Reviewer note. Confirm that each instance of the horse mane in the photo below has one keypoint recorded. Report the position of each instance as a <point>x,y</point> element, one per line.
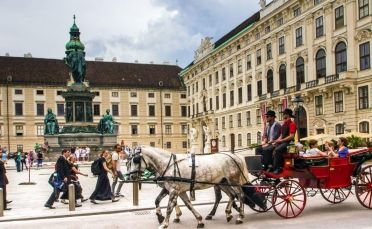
<point>161,151</point>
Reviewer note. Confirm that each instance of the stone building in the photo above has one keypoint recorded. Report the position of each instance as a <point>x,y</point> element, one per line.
<point>316,49</point>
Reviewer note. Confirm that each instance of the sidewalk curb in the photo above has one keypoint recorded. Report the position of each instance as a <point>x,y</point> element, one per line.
<point>96,213</point>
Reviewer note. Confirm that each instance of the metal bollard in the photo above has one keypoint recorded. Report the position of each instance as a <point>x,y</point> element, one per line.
<point>71,197</point>
<point>135,193</point>
<point>1,202</point>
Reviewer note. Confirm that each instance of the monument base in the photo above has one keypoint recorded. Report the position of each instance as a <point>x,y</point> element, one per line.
<point>80,140</point>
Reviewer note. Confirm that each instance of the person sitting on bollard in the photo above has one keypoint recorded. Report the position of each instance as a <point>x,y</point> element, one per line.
<point>3,182</point>
<point>103,188</point>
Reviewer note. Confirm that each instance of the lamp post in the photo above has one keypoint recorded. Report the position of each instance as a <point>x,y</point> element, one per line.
<point>298,101</point>
<point>8,80</point>
<point>161,114</point>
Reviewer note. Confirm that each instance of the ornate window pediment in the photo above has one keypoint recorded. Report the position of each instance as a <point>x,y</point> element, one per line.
<point>204,49</point>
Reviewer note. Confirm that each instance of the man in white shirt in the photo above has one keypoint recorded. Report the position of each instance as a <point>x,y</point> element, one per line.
<point>116,167</point>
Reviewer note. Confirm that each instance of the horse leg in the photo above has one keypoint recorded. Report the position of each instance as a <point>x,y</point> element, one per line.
<point>218,196</point>
<point>188,204</point>
<point>231,196</point>
<point>240,196</point>
<point>178,214</point>
<point>161,196</point>
<point>171,203</point>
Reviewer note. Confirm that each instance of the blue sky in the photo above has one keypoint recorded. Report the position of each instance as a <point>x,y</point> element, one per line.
<point>143,30</point>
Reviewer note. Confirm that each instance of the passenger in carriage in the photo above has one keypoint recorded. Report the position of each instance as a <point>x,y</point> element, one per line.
<point>342,147</point>
<point>271,133</point>
<point>288,131</point>
<point>314,151</point>
<point>330,149</point>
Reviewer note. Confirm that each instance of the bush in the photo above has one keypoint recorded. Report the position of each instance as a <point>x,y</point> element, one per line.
<point>355,142</point>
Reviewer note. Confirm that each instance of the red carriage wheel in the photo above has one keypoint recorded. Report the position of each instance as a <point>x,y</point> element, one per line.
<point>363,187</point>
<point>289,199</point>
<point>335,195</point>
<point>265,189</point>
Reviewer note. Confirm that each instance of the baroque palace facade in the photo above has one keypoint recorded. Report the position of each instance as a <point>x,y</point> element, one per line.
<point>316,49</point>
<point>147,101</point>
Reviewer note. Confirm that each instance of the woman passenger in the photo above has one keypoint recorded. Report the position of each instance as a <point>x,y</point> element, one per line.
<point>330,149</point>
<point>342,147</point>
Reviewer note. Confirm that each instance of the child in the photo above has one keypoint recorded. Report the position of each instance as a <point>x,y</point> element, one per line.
<point>313,151</point>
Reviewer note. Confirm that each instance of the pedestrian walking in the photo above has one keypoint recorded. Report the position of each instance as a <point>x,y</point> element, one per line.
<point>17,159</point>
<point>39,159</point>
<point>23,159</point>
<point>3,182</point>
<point>103,188</point>
<point>117,156</point>
<point>4,156</point>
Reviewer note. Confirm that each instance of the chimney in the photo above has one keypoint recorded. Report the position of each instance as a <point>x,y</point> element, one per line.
<point>151,62</point>
<point>136,61</point>
<point>114,59</point>
<point>98,59</point>
<point>28,55</point>
<point>166,62</point>
<point>7,54</point>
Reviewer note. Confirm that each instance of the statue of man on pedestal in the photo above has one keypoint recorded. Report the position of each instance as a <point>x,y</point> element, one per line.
<point>51,123</point>
<point>106,124</point>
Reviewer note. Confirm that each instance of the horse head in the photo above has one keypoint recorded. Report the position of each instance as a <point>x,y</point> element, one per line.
<point>136,164</point>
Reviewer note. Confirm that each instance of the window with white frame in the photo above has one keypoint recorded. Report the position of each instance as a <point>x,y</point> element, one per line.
<point>248,117</point>
<point>223,141</point>
<point>239,140</point>
<point>249,139</point>
<point>363,8</point>
<point>152,129</point>
<point>184,128</point>
<point>339,17</point>
<point>363,97</point>
<point>115,94</point>
<point>168,129</point>
<point>19,130</point>
<point>339,101</point>
<point>318,105</point>
<point>134,129</point>
<point>40,130</point>
<point>339,129</point>
<point>319,27</point>
<point>281,45</point>
<point>364,127</point>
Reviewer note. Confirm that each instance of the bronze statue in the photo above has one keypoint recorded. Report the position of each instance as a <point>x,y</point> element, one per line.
<point>75,60</point>
<point>51,123</point>
<point>106,124</point>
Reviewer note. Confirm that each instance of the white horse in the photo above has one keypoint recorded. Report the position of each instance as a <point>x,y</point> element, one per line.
<point>226,169</point>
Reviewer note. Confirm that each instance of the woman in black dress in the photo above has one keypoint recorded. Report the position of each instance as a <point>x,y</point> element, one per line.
<point>103,188</point>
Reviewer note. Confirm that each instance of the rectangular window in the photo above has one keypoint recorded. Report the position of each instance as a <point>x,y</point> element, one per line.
<point>298,37</point>
<point>96,110</point>
<point>217,102</point>
<point>168,95</point>
<point>231,98</point>
<point>152,144</point>
<point>18,91</point>
<point>363,8</point>
<point>183,96</point>
<point>203,84</point>
<point>269,53</point>
<point>319,27</point>
<point>168,110</point>
<point>239,119</point>
<point>39,92</point>
<point>231,121</point>
<point>168,129</point>
<point>151,95</point>
<point>216,123</point>
<point>210,104</point>
<point>151,110</point>
<point>18,109</point>
<point>249,92</point>
<point>216,77</point>
<point>339,17</point>
<point>40,130</point>
<point>116,94</point>
<point>210,80</point>
<point>224,100</point>
<point>258,116</point>
<point>239,140</point>
<point>363,97</point>
<point>240,95</point>
<point>365,59</point>
<point>60,109</point>
<point>184,144</point>
<point>223,74</point>
<point>40,109</point>
<point>19,130</point>
<point>258,36</point>
<point>248,118</point>
<point>184,129</point>
<point>96,93</point>
<point>59,92</point>
<point>168,145</point>
<point>223,123</point>
<point>133,110</point>
<point>267,29</point>
<point>259,87</point>
<point>115,109</point>
<point>319,105</point>
<point>339,102</point>
<point>134,129</point>
<point>152,129</point>
<point>316,2</point>
<point>279,22</point>
<point>258,57</point>
<point>249,62</point>
<point>249,139</point>
<point>231,70</point>
<point>240,66</point>
<point>281,46</point>
<point>133,94</point>
<point>196,87</point>
<point>297,12</point>
<point>183,111</point>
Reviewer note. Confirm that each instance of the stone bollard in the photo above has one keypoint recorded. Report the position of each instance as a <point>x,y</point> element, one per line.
<point>71,197</point>
<point>135,193</point>
<point>1,202</point>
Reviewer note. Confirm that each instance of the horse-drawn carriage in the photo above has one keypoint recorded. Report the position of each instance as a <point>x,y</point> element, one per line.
<point>334,178</point>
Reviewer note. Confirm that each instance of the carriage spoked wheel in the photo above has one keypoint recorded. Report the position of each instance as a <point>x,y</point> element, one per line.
<point>363,187</point>
<point>266,190</point>
<point>311,192</point>
<point>335,195</point>
<point>289,199</point>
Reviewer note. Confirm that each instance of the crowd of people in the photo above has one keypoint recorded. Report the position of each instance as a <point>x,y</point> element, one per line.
<point>66,173</point>
<point>278,136</point>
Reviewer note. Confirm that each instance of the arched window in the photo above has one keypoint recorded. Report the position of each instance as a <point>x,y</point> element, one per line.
<point>259,138</point>
<point>320,64</point>
<point>249,139</point>
<point>341,57</point>
<point>364,127</point>
<point>282,77</point>
<point>339,128</point>
<point>270,81</point>
<point>300,72</point>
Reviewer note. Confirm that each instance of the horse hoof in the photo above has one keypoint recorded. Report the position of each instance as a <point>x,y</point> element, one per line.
<point>238,221</point>
<point>200,225</point>
<point>162,227</point>
<point>160,218</point>
<point>176,221</point>
<point>209,217</point>
<point>229,218</point>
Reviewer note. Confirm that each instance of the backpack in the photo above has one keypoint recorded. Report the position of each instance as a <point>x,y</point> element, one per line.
<point>95,167</point>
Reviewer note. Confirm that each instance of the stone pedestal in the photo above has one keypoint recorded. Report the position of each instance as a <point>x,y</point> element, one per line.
<point>194,148</point>
<point>81,139</point>
<point>207,147</point>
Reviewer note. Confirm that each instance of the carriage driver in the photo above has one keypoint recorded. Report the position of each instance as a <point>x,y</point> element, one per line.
<point>271,133</point>
<point>288,131</point>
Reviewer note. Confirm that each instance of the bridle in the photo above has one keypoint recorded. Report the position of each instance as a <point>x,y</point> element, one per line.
<point>137,158</point>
